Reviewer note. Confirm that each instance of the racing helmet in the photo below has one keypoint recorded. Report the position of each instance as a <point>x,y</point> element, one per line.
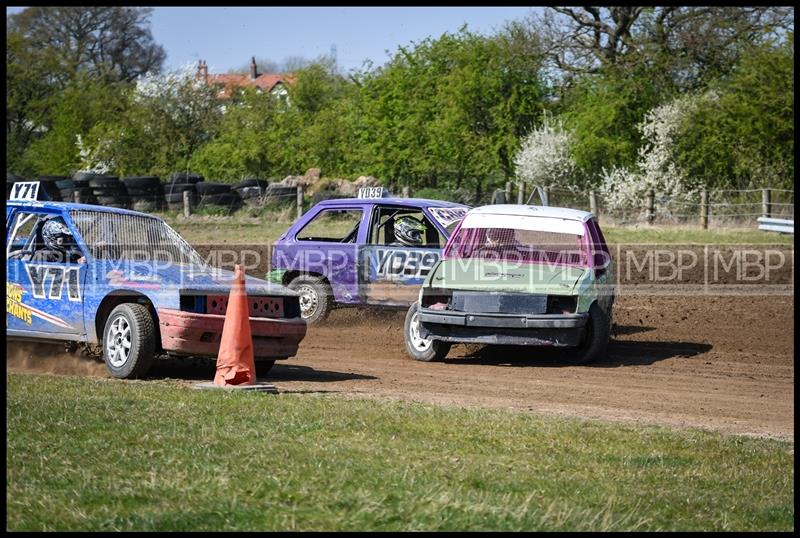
<point>497,236</point>
<point>409,231</point>
<point>56,235</point>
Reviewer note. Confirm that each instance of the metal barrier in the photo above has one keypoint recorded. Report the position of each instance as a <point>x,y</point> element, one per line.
<point>769,224</point>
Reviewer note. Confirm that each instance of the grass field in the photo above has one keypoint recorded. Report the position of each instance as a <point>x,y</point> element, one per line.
<point>239,229</point>
<point>98,454</point>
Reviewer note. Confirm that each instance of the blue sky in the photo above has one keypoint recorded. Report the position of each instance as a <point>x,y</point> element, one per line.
<point>227,37</point>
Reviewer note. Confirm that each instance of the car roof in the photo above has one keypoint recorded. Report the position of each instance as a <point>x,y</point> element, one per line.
<point>532,211</point>
<point>414,202</point>
<point>45,204</point>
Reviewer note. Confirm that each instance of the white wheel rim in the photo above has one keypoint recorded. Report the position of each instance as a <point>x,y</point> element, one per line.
<point>118,342</point>
<point>308,300</point>
<point>417,342</point>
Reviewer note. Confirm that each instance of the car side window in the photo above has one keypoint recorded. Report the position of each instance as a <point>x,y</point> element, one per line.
<point>21,232</point>
<point>332,226</point>
<point>382,227</point>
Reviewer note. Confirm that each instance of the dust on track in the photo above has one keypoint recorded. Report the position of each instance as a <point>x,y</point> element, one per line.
<point>720,363</point>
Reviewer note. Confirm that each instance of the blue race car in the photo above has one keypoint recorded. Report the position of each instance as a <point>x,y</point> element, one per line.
<point>128,282</point>
<point>373,250</point>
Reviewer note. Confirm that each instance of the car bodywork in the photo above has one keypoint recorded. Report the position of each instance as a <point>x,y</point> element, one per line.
<point>535,287</point>
<point>363,264</point>
<point>131,257</point>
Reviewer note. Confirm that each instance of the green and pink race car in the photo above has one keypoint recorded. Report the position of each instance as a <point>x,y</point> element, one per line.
<point>517,275</point>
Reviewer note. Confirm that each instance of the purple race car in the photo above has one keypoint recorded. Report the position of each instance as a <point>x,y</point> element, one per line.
<point>369,250</point>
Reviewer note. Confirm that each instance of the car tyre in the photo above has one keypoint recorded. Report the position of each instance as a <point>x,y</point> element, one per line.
<point>129,341</point>
<point>421,349</point>
<point>595,343</point>
<point>316,297</point>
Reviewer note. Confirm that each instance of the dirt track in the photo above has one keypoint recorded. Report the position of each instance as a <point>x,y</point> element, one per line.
<point>721,363</point>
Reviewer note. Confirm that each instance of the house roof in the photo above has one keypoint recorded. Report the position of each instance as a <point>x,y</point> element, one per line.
<point>266,82</point>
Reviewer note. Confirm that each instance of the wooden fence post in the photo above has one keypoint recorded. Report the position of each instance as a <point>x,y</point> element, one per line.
<point>650,209</point>
<point>766,203</point>
<point>593,204</point>
<point>546,191</point>
<point>187,203</point>
<point>520,192</point>
<point>508,192</point>
<point>76,196</point>
<point>704,209</point>
<point>299,201</point>
<point>406,192</point>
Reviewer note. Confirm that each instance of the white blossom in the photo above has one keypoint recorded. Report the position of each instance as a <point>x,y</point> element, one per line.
<point>656,167</point>
<point>544,157</point>
<point>91,160</point>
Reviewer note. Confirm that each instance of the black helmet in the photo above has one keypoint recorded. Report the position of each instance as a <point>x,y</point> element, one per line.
<point>52,231</point>
<point>409,231</point>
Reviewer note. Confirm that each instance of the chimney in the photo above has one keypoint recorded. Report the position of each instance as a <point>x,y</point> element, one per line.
<point>202,70</point>
<point>253,68</point>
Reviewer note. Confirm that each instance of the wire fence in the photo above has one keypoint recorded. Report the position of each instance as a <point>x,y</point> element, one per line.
<point>713,208</point>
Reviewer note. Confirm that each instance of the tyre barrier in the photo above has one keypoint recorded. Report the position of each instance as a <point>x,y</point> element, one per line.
<point>48,184</point>
<point>185,177</point>
<point>204,189</point>
<point>226,201</point>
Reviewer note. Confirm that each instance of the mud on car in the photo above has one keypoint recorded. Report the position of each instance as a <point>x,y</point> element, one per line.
<point>127,282</point>
<point>517,275</point>
<point>372,250</point>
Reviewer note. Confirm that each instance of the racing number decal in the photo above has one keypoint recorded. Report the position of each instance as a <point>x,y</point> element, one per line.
<point>38,274</point>
<point>404,263</point>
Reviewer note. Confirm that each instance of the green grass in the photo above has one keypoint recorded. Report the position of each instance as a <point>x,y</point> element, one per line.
<point>241,228</point>
<point>95,454</point>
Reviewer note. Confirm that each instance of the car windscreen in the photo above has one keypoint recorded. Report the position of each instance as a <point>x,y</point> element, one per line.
<point>517,245</point>
<point>120,236</point>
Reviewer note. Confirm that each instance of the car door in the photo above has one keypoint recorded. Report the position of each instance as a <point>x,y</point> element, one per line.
<point>328,245</point>
<point>44,299</point>
<point>391,272</point>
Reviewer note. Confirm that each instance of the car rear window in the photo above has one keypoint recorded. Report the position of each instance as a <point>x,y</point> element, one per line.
<point>515,245</point>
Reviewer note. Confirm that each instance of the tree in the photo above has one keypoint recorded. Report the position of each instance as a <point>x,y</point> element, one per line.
<point>745,138</point>
<point>448,112</point>
<point>73,112</point>
<point>113,42</point>
<point>167,118</point>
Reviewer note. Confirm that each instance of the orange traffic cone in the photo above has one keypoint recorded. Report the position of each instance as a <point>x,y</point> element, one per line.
<point>235,362</point>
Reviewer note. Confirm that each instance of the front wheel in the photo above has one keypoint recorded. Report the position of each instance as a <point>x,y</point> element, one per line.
<point>422,349</point>
<point>595,342</point>
<point>129,341</point>
<point>315,297</point>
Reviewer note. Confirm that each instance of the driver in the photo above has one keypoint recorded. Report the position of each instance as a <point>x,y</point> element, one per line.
<point>409,231</point>
<point>59,244</point>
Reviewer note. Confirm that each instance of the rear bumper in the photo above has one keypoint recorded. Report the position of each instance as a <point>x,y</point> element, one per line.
<point>561,330</point>
<point>188,333</point>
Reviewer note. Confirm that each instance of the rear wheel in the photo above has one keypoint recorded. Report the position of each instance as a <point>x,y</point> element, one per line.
<point>422,349</point>
<point>595,342</point>
<point>316,297</point>
<point>129,341</point>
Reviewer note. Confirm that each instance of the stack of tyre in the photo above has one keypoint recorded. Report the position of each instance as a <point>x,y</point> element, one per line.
<point>251,191</point>
<point>146,193</point>
<point>109,191</point>
<point>178,183</point>
<point>218,196</point>
<point>49,184</point>
<point>77,189</point>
